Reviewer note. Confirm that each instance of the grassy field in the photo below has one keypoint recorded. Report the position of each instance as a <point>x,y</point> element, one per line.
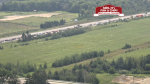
<point>36,21</point>
<point>6,27</point>
<point>107,78</point>
<point>32,24</point>
<point>112,38</point>
<point>112,56</point>
<point>11,29</point>
<point>99,38</point>
<point>136,54</point>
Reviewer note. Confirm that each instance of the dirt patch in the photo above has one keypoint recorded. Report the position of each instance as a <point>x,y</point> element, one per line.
<point>123,79</point>
<point>14,17</point>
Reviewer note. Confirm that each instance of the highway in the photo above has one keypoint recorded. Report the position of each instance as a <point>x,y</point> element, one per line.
<point>69,27</point>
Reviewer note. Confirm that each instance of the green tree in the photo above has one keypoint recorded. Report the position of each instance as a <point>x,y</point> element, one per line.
<point>91,78</point>
<point>101,53</point>
<point>75,68</point>
<point>56,75</point>
<point>82,12</point>
<point>49,76</point>
<point>39,77</point>
<point>80,66</point>
<point>24,37</point>
<point>28,80</point>
<point>79,74</point>
<point>147,67</point>
<point>45,65</point>
<point>112,71</point>
<point>27,32</point>
<point>119,63</point>
<point>40,66</point>
<point>113,63</point>
<point>126,46</point>
<point>108,51</point>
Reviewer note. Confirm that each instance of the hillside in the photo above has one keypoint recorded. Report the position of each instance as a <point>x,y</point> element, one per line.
<point>37,55</point>
<point>112,38</point>
<point>96,54</point>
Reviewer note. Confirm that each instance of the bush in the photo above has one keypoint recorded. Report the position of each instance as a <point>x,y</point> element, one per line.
<point>46,39</point>
<point>126,46</point>
<point>129,50</point>
<point>136,71</point>
<point>112,71</point>
<point>108,51</point>
<point>15,45</point>
<point>71,32</point>
<point>101,53</point>
<point>147,67</point>
<point>26,44</point>
<point>1,47</point>
<point>19,41</point>
<point>123,71</point>
<point>96,70</point>
<point>145,72</point>
<point>52,24</point>
<point>55,36</point>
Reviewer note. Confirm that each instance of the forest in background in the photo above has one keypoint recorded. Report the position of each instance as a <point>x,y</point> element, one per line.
<point>85,8</point>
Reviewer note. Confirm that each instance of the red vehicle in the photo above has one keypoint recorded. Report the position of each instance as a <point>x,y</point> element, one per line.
<point>139,15</point>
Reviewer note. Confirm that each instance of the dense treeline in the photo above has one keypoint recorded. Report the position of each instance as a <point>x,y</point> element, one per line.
<point>80,75</point>
<point>7,76</point>
<point>9,71</point>
<point>20,69</point>
<point>68,32</point>
<point>97,66</point>
<point>77,58</point>
<point>85,8</point>
<point>131,63</point>
<point>40,76</point>
<point>55,35</point>
<point>139,65</point>
<point>52,24</point>
<point>86,73</point>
